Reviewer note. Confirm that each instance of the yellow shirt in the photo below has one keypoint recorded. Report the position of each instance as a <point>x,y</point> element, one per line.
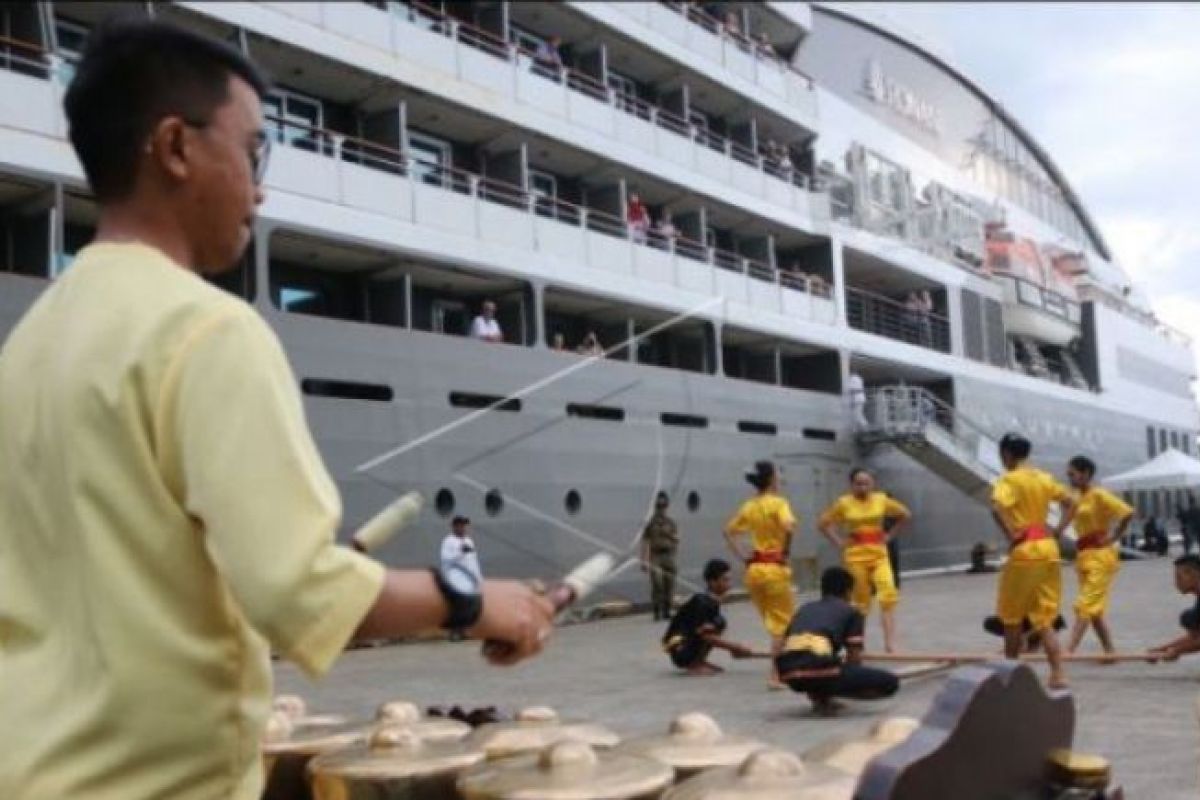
<point>165,518</point>
<point>1097,510</point>
<point>865,514</point>
<point>768,517</point>
<point>1025,493</point>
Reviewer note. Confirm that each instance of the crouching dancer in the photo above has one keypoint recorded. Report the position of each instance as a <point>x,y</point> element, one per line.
<point>812,661</point>
<point>697,626</point>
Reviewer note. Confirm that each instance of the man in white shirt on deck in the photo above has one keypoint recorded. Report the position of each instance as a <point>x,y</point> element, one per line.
<point>486,326</point>
<point>856,392</point>
<point>458,549</point>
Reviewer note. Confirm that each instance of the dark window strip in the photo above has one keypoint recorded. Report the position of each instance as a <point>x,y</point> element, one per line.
<point>820,433</point>
<point>587,411</point>
<point>750,426</point>
<point>472,400</point>
<point>346,390</point>
<point>683,420</point>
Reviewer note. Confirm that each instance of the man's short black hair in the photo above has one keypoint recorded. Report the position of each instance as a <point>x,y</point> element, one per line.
<point>1015,445</point>
<point>133,73</point>
<point>1083,464</point>
<point>836,582</point>
<point>714,569</point>
<point>1189,561</point>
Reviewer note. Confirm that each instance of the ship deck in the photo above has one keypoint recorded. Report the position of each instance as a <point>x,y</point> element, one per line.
<point>1139,716</point>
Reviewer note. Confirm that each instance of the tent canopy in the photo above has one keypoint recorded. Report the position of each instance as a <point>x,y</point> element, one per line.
<point>1170,469</point>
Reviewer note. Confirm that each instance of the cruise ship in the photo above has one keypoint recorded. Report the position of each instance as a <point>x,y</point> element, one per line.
<point>750,207</point>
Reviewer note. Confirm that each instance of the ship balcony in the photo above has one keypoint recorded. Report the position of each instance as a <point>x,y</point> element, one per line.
<point>704,45</point>
<point>883,316</point>
<point>493,214</point>
<point>30,100</point>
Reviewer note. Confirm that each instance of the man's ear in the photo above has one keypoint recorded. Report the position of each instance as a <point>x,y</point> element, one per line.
<point>170,148</point>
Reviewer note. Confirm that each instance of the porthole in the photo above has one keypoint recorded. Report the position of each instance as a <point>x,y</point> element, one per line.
<point>443,501</point>
<point>573,502</point>
<point>693,501</point>
<point>493,502</point>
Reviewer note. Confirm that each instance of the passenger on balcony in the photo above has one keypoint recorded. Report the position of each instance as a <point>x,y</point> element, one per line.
<point>856,394</point>
<point>819,286</point>
<point>731,26</point>
<point>912,317</point>
<point>590,346</point>
<point>765,47</point>
<point>665,233</point>
<point>637,218</point>
<point>485,326</point>
<point>548,57</point>
<point>925,317</point>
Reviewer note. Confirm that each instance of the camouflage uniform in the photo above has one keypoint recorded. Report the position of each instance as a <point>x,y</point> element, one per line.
<point>662,539</point>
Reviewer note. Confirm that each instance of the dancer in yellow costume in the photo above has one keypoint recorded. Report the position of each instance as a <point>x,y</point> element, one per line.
<point>1096,559</point>
<point>768,519</point>
<point>1031,580</point>
<point>861,512</point>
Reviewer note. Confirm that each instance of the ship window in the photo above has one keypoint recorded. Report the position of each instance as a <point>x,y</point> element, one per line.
<point>820,433</point>
<point>1150,449</point>
<point>693,501</point>
<point>443,501</point>
<point>346,390</point>
<point>430,158</point>
<point>588,411</point>
<point>295,119</point>
<point>495,402</point>
<point>71,37</point>
<point>493,502</point>
<point>683,420</point>
<point>573,502</point>
<point>544,187</point>
<point>749,426</point>
<point>625,89</point>
<point>1162,439</point>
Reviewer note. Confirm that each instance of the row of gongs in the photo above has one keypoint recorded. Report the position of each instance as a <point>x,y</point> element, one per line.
<point>405,755</point>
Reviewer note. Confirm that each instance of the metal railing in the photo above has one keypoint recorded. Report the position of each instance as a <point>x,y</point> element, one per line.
<point>908,412</point>
<point>881,315</point>
<point>25,58</point>
<point>342,147</point>
<point>436,21</point>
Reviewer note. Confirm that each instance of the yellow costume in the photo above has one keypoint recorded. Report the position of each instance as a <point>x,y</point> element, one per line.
<point>866,557</point>
<point>1095,564</point>
<point>768,518</point>
<point>165,521</point>
<point>1031,581</point>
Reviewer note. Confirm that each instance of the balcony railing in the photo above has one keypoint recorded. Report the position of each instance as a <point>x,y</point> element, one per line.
<point>433,20</point>
<point>26,58</point>
<point>649,253</point>
<point>881,315</point>
<point>765,56</point>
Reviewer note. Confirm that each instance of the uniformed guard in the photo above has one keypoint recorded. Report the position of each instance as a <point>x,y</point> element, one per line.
<point>660,545</point>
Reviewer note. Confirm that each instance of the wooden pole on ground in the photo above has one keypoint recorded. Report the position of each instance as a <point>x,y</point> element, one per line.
<point>969,658</point>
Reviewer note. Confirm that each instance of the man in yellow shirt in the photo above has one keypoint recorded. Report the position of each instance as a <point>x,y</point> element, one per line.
<point>1031,580</point>
<point>165,518</point>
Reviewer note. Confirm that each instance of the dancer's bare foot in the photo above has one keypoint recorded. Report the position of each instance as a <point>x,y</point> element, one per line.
<point>775,685</point>
<point>1057,683</point>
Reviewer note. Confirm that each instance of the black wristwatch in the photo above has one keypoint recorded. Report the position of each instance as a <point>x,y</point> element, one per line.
<point>463,593</point>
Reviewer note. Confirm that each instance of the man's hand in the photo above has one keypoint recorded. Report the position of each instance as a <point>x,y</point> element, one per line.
<point>515,622</point>
<point>741,651</point>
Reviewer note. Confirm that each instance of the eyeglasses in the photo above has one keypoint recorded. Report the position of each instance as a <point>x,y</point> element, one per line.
<point>259,153</point>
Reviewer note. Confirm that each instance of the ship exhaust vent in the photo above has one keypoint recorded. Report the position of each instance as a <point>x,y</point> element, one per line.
<point>820,433</point>
<point>750,426</point>
<point>346,390</point>
<point>588,411</point>
<point>473,400</point>
<point>683,420</point>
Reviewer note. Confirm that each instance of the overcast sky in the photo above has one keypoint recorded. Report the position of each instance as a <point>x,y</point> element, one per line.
<point>1112,91</point>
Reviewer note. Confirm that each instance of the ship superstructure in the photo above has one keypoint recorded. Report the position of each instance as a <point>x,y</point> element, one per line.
<point>745,204</point>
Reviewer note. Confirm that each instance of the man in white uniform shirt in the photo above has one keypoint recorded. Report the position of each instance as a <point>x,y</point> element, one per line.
<point>458,549</point>
<point>486,326</point>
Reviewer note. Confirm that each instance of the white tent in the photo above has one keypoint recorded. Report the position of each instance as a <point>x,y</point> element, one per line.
<point>1170,469</point>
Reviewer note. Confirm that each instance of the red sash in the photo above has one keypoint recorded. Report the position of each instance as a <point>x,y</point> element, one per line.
<point>767,557</point>
<point>1090,541</point>
<point>867,536</point>
<point>1032,534</point>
